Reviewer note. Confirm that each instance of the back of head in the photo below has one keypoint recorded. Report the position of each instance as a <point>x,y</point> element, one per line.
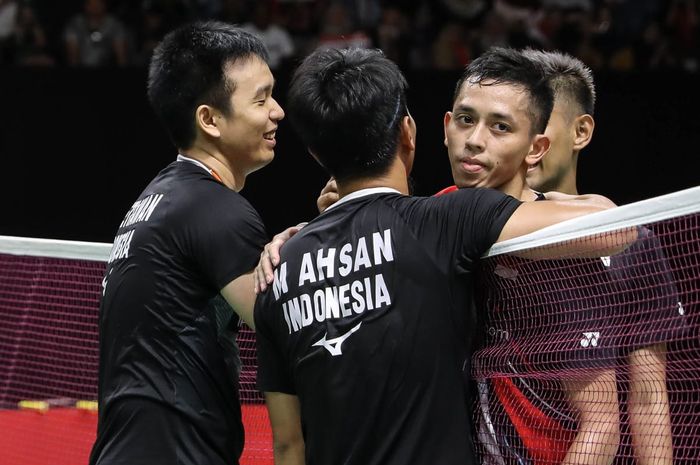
<point>347,106</point>
<point>568,77</point>
<point>187,69</point>
<point>507,66</point>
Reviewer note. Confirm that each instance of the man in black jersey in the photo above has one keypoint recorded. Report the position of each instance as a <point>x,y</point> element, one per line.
<point>366,333</point>
<point>182,259</point>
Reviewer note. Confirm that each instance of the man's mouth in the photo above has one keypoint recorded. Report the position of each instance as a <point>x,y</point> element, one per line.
<point>471,165</point>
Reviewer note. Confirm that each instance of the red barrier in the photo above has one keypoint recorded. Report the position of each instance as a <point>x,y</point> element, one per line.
<point>64,436</point>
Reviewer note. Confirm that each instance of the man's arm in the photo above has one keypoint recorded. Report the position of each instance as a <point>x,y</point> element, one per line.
<point>285,419</point>
<point>240,295</point>
<point>533,216</point>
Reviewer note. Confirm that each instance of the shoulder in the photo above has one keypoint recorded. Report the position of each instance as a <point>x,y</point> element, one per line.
<point>193,195</point>
<point>589,199</point>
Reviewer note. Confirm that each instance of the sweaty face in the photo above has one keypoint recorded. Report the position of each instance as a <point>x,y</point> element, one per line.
<point>248,133</point>
<point>488,135</point>
<point>548,174</point>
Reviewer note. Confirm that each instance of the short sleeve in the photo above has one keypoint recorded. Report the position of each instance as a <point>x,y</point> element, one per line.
<point>227,236</point>
<point>273,369</point>
<point>468,221</point>
<point>490,210</point>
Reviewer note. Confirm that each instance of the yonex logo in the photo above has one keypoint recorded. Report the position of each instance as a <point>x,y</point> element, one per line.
<point>681,310</point>
<point>605,260</point>
<point>334,345</point>
<point>590,339</point>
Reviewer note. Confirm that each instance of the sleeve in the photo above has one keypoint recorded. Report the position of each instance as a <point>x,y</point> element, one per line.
<point>273,373</point>
<point>460,227</point>
<point>226,236</point>
<point>490,210</point>
<point>480,215</point>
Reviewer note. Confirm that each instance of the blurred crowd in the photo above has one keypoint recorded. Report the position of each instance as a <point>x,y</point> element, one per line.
<point>617,35</point>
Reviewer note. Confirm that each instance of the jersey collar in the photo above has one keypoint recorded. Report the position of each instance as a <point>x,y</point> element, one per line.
<point>364,193</point>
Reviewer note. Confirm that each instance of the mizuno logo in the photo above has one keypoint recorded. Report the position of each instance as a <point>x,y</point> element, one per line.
<point>590,339</point>
<point>333,345</point>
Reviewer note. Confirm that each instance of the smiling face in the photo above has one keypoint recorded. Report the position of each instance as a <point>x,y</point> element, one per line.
<point>489,137</point>
<point>248,132</point>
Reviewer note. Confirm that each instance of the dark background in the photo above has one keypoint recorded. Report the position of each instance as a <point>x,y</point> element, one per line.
<point>79,145</point>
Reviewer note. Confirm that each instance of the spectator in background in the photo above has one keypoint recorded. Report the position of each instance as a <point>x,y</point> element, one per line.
<point>277,40</point>
<point>302,20</point>
<point>153,24</point>
<point>8,17</point>
<point>493,33</point>
<point>392,35</point>
<point>683,21</point>
<point>339,31</point>
<point>451,49</point>
<point>95,38</point>
<point>365,14</point>
<point>30,44</point>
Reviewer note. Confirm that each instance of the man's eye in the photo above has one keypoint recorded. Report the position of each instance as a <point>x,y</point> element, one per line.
<point>464,119</point>
<point>501,127</point>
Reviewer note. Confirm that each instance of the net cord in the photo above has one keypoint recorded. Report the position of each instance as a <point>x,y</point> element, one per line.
<point>647,211</point>
<point>676,204</point>
<point>35,247</point>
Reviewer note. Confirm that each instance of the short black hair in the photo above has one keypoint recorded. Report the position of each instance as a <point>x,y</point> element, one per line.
<point>567,76</point>
<point>347,106</point>
<point>187,69</point>
<point>501,65</point>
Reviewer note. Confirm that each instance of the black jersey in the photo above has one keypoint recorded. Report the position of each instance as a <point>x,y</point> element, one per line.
<point>168,376</point>
<point>369,323</point>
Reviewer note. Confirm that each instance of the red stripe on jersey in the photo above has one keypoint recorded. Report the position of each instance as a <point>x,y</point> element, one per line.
<point>545,439</point>
<point>446,190</point>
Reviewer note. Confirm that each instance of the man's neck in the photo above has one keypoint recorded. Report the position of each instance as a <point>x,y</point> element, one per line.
<point>395,178</point>
<point>517,187</point>
<point>219,165</point>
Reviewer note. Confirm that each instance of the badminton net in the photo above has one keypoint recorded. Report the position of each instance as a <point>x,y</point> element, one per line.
<point>49,300</point>
<point>592,355</point>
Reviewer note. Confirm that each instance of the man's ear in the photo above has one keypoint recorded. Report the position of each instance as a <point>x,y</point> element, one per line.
<point>539,148</point>
<point>583,131</point>
<point>407,132</point>
<point>445,122</point>
<point>206,120</point>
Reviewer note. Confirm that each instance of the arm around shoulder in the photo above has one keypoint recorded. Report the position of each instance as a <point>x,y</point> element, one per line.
<point>532,216</point>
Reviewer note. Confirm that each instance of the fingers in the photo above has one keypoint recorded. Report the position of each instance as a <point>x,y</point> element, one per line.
<point>329,195</point>
<point>259,275</point>
<point>270,258</point>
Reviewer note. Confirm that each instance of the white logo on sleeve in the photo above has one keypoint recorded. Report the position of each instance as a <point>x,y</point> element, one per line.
<point>590,339</point>
<point>333,345</point>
